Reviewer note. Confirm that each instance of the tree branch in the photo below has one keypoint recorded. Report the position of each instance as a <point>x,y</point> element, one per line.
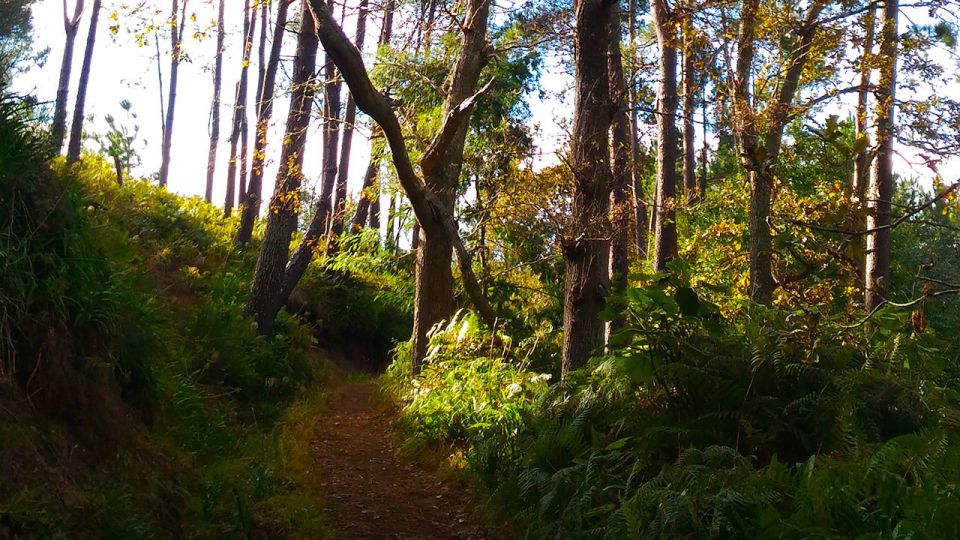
<point>912,212</point>
<point>428,212</point>
<point>451,124</point>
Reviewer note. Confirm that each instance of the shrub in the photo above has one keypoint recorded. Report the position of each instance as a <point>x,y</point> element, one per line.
<point>773,425</point>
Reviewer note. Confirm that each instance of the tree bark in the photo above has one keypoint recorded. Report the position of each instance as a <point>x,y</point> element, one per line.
<point>176,42</point>
<point>251,206</point>
<point>266,290</point>
<point>215,107</point>
<point>76,127</point>
<point>58,129</point>
<point>239,108</point>
<point>880,190</point>
<point>861,164</point>
<point>641,217</point>
<point>586,248</point>
<point>689,90</point>
<point>621,161</point>
<point>350,117</point>
<point>665,227</point>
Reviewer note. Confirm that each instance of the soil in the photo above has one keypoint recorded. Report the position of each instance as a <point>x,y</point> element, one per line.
<point>371,491</point>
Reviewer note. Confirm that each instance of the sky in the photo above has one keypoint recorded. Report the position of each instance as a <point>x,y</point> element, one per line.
<point>122,69</point>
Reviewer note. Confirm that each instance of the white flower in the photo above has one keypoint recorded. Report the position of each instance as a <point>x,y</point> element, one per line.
<point>541,377</point>
<point>513,389</point>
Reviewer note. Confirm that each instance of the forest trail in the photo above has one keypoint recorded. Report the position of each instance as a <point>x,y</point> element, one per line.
<point>372,492</point>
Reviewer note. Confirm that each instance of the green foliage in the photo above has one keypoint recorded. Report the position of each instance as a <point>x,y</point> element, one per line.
<point>774,425</point>
<point>465,386</point>
<point>142,294</point>
<point>362,296</point>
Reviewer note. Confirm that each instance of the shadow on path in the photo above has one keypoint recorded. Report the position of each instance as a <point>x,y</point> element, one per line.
<point>371,492</point>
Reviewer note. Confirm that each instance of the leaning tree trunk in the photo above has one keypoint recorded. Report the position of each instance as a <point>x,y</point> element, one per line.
<point>176,42</point>
<point>349,118</point>
<point>689,90</point>
<point>441,166</point>
<point>76,128</point>
<point>266,290</point>
<point>239,108</point>
<point>251,206</point>
<point>665,228</point>
<point>59,128</point>
<point>622,167</point>
<point>215,107</point>
<point>440,162</point>
<point>586,247</point>
<point>880,190</point>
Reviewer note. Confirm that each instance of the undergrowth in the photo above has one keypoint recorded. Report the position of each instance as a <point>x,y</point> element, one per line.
<point>136,399</point>
<point>773,425</point>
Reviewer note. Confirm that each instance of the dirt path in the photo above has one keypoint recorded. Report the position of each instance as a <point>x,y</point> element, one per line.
<point>371,491</point>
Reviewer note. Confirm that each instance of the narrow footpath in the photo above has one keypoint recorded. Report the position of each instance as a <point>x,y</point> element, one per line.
<point>372,492</point>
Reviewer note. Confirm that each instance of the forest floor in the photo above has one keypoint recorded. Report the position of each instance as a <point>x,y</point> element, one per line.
<point>372,491</point>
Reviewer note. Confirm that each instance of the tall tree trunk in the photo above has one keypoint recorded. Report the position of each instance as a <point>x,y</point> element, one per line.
<point>239,108</point>
<point>665,229</point>
<point>118,169</point>
<point>391,222</point>
<point>266,290</point>
<point>350,117</point>
<point>415,236</point>
<point>586,248</point>
<point>375,206</point>
<point>215,107</point>
<point>441,166</point>
<point>76,128</point>
<point>641,217</point>
<point>242,187</point>
<point>70,25</point>
<point>622,167</point>
<point>880,190</point>
<point>251,206</point>
<point>262,48</point>
<point>760,152</point>
<point>319,224</point>
<point>176,42</point>
<point>861,165</point>
<point>702,185</point>
<point>440,162</point>
<point>369,203</point>
<point>368,191</point>
<point>689,90</point>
